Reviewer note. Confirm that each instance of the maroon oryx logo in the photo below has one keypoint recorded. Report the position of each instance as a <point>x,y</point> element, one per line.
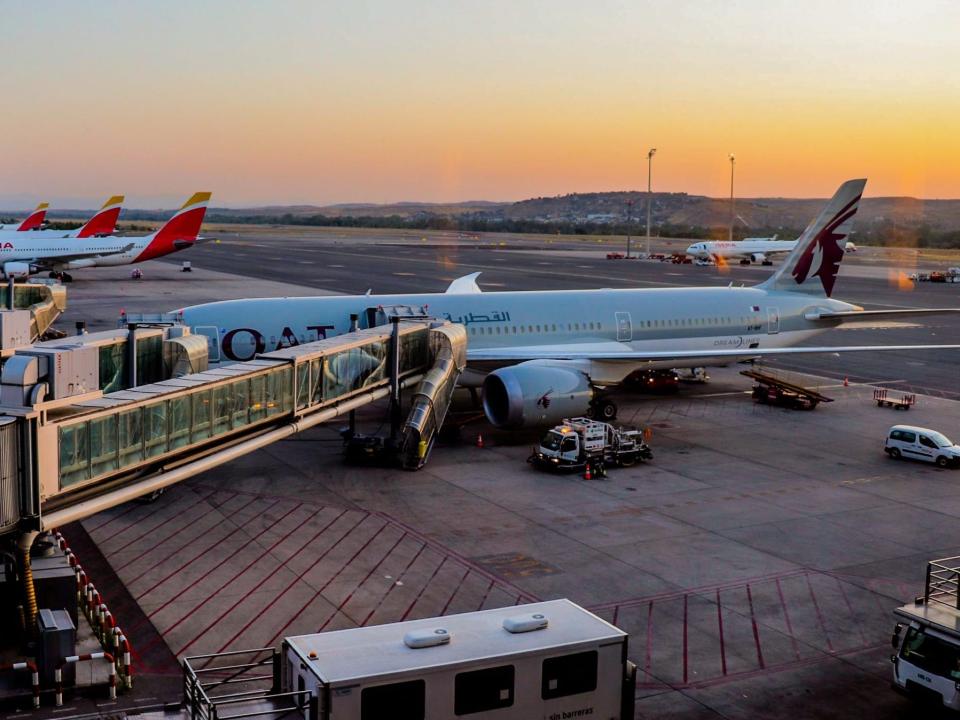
<point>822,255</point>
<point>544,400</point>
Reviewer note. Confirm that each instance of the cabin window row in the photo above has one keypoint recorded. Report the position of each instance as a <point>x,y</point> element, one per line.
<point>478,691</point>
<point>525,329</point>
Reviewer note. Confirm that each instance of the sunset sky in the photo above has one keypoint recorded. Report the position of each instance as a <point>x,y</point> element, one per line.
<point>322,102</point>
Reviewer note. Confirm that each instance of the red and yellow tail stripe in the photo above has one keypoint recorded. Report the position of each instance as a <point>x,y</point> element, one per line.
<point>181,230</point>
<point>35,219</point>
<point>105,221</point>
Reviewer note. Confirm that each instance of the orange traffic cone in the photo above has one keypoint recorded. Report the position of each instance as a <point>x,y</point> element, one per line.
<point>846,381</point>
<point>586,473</point>
<point>479,440</point>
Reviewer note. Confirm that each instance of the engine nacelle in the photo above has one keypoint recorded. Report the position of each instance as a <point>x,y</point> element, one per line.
<point>535,392</point>
<point>758,257</point>
<point>16,269</point>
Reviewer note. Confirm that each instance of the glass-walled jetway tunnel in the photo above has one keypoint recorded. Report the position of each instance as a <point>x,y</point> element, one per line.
<point>64,459</point>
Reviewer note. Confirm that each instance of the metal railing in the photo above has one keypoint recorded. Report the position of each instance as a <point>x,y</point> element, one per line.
<point>943,582</point>
<point>203,675</point>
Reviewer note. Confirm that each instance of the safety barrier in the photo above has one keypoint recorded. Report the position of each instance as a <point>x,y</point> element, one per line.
<point>34,676</point>
<point>101,620</point>
<point>58,673</point>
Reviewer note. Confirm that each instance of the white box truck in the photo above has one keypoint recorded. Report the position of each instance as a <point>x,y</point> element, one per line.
<point>544,660</point>
<point>926,639</point>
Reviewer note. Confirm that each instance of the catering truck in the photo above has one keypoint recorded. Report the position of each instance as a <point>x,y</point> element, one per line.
<point>544,660</point>
<point>580,441</point>
<point>926,639</point>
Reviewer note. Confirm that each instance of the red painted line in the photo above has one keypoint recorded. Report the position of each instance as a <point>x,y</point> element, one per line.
<point>247,594</point>
<point>457,556</point>
<point>296,579</point>
<point>360,584</point>
<point>133,506</point>
<point>723,649</point>
<point>289,587</point>
<point>370,614</point>
<point>210,596</point>
<point>676,594</point>
<point>486,594</point>
<point>424,589</point>
<point>863,638</point>
<point>756,630</point>
<point>786,616</point>
<point>176,551</point>
<point>455,591</point>
<point>685,657</point>
<point>646,665</point>
<point>173,516</point>
<point>196,557</point>
<point>816,607</point>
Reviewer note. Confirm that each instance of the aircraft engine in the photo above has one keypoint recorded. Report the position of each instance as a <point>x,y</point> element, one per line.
<point>16,269</point>
<point>758,257</point>
<point>535,393</point>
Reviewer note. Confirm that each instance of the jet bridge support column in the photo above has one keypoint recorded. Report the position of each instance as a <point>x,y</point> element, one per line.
<point>352,417</point>
<point>394,379</point>
<point>26,571</point>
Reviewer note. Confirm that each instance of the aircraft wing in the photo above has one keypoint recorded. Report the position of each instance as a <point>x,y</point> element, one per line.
<point>622,351</point>
<point>869,314</point>
<point>49,262</point>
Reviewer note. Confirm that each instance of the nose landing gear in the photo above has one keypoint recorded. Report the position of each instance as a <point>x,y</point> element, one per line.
<point>61,276</point>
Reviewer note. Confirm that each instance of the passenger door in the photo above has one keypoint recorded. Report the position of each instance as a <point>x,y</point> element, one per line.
<point>212,334</point>
<point>773,320</point>
<point>927,448</point>
<point>624,327</point>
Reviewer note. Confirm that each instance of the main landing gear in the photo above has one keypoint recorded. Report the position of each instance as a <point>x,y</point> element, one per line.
<point>61,276</point>
<point>603,409</point>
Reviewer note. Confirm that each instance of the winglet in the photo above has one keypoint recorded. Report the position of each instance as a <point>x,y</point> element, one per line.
<point>466,285</point>
<point>105,221</point>
<point>35,219</point>
<point>180,231</point>
<point>812,266</point>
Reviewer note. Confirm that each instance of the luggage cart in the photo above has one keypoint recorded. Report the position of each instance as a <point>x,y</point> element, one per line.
<point>775,391</point>
<point>904,402</point>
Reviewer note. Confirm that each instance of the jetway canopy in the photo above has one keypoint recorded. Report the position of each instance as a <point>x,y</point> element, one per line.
<point>72,450</point>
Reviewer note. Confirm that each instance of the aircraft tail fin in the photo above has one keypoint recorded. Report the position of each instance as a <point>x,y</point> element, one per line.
<point>105,221</point>
<point>812,266</point>
<point>35,220</point>
<point>180,231</point>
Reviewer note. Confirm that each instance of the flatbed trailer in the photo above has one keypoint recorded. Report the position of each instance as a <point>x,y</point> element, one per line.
<point>904,402</point>
<point>775,391</point>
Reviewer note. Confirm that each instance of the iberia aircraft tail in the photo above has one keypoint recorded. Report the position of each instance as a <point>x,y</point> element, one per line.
<point>811,267</point>
<point>178,232</point>
<point>105,221</point>
<point>35,219</point>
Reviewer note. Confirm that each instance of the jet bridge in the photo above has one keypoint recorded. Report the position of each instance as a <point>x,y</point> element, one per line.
<point>66,457</point>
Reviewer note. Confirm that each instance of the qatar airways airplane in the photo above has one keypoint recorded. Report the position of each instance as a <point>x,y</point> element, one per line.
<point>104,222</point>
<point>748,250</point>
<point>544,355</point>
<point>26,254</point>
<point>33,221</point>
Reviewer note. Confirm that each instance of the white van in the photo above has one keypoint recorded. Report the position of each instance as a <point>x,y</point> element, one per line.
<point>917,443</point>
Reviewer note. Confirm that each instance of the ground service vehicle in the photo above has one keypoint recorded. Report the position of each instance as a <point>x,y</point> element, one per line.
<point>917,443</point>
<point>926,659</point>
<point>579,441</point>
<point>544,660</point>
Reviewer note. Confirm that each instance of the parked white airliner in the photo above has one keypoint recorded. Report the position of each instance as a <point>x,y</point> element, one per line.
<point>103,222</point>
<point>748,250</point>
<point>25,255</point>
<point>550,354</point>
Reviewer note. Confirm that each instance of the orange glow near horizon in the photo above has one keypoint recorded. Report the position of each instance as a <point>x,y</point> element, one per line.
<point>304,102</point>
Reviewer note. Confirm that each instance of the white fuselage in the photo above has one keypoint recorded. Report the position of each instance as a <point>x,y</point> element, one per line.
<point>26,247</point>
<point>740,248</point>
<point>668,319</point>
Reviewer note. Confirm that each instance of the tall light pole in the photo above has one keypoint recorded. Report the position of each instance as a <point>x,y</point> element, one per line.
<point>650,154</point>
<point>629,213</point>
<point>733,161</point>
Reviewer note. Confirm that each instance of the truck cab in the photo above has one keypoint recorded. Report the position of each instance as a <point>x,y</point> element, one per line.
<point>579,441</point>
<point>926,639</point>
